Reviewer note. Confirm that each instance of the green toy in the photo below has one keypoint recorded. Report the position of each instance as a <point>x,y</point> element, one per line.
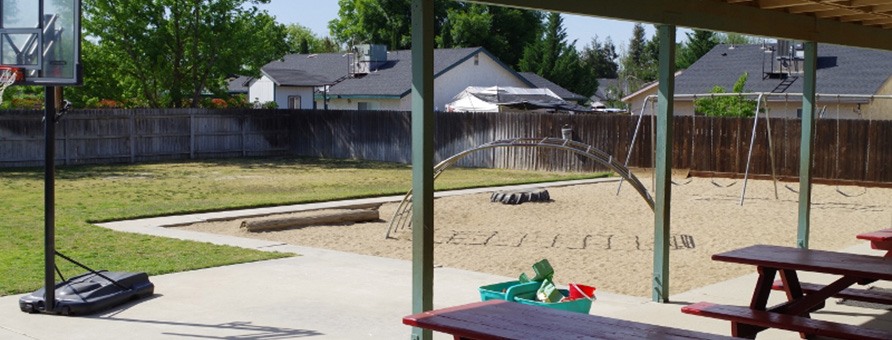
<point>543,270</point>
<point>548,292</point>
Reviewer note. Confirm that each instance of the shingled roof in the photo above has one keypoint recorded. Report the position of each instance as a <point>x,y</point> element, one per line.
<point>307,69</point>
<point>540,82</point>
<point>392,79</point>
<point>239,84</point>
<point>840,70</point>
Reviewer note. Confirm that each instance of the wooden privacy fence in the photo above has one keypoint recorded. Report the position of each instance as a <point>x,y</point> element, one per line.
<point>132,136</point>
<point>857,150</point>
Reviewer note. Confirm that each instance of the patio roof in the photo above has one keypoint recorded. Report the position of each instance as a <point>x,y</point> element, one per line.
<point>860,23</point>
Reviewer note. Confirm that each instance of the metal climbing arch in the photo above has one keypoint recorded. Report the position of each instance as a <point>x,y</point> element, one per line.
<point>402,218</point>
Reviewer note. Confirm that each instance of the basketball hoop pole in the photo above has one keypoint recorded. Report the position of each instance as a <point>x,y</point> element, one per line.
<point>52,97</point>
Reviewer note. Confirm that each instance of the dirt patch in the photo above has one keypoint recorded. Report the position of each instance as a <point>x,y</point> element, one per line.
<point>592,235</point>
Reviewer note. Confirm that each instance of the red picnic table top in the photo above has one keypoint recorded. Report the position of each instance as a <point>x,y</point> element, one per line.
<point>500,319</point>
<point>880,239</point>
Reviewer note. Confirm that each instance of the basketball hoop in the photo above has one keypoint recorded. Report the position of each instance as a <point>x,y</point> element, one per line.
<point>8,76</point>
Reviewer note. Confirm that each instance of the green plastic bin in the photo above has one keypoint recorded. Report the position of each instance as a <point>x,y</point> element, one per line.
<point>509,290</point>
<point>579,305</point>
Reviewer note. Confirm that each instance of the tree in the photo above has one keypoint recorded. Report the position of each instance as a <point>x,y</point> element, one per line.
<point>302,40</point>
<point>102,79</point>
<point>167,53</point>
<point>736,39</point>
<point>387,22</point>
<point>727,106</point>
<point>503,31</point>
<point>600,58</point>
<point>500,30</point>
<point>639,65</point>
<point>699,43</point>
<point>556,60</point>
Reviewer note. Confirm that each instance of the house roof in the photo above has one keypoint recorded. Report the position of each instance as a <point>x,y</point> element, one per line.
<point>239,84</point>
<point>540,82</point>
<point>391,79</point>
<point>394,78</point>
<point>307,69</point>
<point>840,70</point>
<point>604,85</point>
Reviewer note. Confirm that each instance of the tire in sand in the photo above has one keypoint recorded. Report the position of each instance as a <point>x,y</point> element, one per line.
<point>519,197</point>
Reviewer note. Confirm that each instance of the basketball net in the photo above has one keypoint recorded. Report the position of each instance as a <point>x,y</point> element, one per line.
<point>8,76</point>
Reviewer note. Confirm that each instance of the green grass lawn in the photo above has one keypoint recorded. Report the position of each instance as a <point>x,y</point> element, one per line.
<point>88,194</point>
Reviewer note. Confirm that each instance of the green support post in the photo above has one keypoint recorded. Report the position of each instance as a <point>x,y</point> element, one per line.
<point>423,120</point>
<point>805,146</point>
<point>663,171</point>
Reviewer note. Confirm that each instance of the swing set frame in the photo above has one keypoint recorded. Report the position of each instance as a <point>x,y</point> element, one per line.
<point>762,106</point>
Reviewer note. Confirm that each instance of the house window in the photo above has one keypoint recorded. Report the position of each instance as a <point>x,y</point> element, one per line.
<point>477,59</point>
<point>293,102</point>
<point>367,106</point>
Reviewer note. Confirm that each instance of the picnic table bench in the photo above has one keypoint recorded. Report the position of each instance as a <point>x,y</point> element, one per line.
<point>794,315</point>
<point>500,319</point>
<point>880,239</point>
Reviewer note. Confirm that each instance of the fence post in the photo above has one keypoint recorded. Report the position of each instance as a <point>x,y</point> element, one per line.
<point>132,137</point>
<point>191,134</point>
<point>64,127</point>
<point>244,122</point>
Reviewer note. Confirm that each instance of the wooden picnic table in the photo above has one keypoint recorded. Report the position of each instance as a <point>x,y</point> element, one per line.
<point>500,319</point>
<point>794,314</point>
<point>880,239</point>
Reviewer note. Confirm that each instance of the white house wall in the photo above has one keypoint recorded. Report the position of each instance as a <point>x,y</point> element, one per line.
<point>353,104</point>
<point>283,93</point>
<point>778,109</point>
<point>880,108</point>
<point>637,102</point>
<point>487,72</point>
<point>262,90</point>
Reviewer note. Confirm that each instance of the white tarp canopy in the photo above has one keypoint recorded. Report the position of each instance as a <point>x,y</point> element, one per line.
<point>490,99</point>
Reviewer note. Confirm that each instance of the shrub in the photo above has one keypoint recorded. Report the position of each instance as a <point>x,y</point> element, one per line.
<point>727,106</point>
<point>218,103</point>
<point>239,101</point>
<point>109,104</point>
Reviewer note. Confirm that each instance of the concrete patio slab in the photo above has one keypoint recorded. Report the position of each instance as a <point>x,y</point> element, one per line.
<point>325,294</point>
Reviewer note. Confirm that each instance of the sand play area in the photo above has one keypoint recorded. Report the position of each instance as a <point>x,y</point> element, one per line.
<point>590,235</point>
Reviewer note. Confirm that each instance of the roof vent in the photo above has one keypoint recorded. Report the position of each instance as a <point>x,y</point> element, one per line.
<point>368,58</point>
<point>784,60</point>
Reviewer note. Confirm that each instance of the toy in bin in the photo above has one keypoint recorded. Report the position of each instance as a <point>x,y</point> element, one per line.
<point>540,290</point>
<point>543,271</point>
<point>578,291</point>
<point>508,290</point>
<point>550,296</point>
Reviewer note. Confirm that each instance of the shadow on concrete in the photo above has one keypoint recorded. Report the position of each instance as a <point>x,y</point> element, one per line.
<point>251,331</point>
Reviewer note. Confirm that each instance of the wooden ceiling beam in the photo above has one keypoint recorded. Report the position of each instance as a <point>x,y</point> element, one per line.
<point>776,4</point>
<point>882,21</point>
<point>810,8</point>
<point>836,13</point>
<point>881,8</point>
<point>860,17</point>
<point>863,3</point>
<point>719,16</point>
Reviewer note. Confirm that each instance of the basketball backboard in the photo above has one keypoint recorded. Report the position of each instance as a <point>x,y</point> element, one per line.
<point>43,38</point>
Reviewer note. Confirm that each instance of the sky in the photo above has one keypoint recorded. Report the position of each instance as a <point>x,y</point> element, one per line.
<point>315,14</point>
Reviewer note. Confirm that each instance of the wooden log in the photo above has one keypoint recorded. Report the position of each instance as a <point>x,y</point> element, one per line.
<point>320,218</point>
